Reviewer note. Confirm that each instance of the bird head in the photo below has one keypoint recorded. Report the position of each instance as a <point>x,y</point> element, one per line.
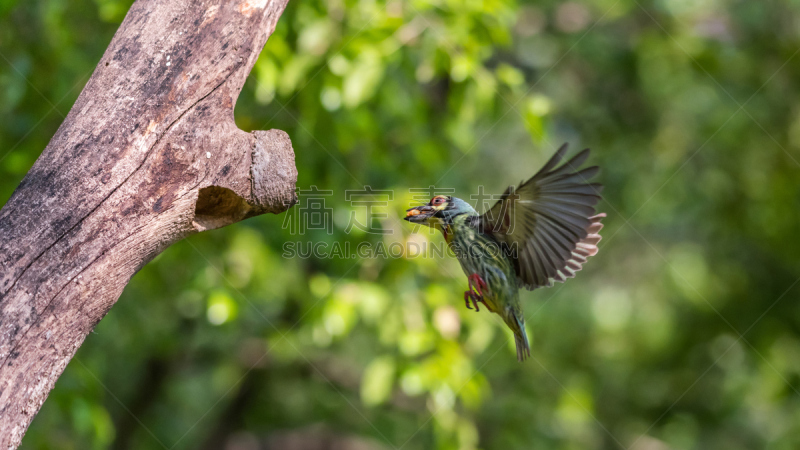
<point>441,210</point>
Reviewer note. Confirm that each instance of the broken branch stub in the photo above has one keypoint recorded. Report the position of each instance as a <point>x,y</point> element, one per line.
<point>148,155</point>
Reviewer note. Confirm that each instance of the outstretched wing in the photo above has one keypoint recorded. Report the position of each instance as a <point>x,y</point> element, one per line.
<point>548,224</point>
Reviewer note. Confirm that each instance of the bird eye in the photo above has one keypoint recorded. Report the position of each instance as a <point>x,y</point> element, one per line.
<point>437,201</point>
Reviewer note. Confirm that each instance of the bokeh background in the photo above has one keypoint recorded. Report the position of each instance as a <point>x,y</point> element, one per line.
<point>683,333</point>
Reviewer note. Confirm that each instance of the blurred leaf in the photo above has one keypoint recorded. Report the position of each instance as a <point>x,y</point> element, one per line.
<point>376,384</point>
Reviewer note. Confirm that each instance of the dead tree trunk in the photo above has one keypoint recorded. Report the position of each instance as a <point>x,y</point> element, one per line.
<point>148,155</point>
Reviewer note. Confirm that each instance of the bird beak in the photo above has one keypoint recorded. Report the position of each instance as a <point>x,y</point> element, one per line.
<point>420,214</point>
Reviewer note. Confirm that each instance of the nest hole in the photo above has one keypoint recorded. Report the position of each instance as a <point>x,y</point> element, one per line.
<point>218,206</point>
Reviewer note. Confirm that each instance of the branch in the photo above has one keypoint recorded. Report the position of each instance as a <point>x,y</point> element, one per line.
<point>148,155</point>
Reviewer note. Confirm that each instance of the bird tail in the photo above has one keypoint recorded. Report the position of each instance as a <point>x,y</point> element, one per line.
<point>520,336</point>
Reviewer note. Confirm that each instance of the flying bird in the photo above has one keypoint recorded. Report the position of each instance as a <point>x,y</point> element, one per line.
<point>541,232</point>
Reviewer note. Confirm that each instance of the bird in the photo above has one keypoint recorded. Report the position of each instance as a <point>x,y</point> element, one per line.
<point>536,234</point>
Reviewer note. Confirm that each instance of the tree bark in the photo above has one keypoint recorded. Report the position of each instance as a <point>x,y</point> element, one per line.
<point>148,155</point>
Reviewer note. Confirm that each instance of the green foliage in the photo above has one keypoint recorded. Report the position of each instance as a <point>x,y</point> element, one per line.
<point>681,333</point>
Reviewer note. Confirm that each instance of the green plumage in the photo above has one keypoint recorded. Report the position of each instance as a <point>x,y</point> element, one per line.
<point>480,253</point>
<point>538,233</point>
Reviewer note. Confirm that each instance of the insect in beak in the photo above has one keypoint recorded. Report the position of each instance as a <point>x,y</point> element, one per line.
<point>420,214</point>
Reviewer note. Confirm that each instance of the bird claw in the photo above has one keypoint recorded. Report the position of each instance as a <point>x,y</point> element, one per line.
<point>475,292</point>
<point>469,295</point>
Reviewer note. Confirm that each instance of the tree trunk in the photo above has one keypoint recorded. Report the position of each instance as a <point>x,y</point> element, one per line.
<point>148,155</point>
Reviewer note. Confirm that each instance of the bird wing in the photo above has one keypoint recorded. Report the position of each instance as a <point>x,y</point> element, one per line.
<point>548,224</point>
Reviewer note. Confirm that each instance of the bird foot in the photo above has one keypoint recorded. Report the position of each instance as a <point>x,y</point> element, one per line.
<point>476,284</point>
<point>475,292</point>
